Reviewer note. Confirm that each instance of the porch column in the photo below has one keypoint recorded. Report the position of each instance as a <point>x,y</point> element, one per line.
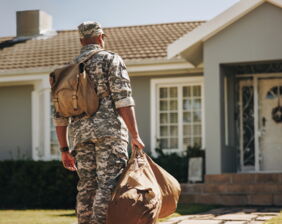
<point>214,118</point>
<point>41,121</point>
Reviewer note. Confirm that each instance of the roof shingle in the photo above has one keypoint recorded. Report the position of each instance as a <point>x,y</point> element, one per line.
<point>130,42</point>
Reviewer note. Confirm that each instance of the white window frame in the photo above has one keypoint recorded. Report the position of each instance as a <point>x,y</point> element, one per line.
<point>179,81</point>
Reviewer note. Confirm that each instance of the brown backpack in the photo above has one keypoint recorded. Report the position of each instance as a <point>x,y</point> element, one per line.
<point>72,91</point>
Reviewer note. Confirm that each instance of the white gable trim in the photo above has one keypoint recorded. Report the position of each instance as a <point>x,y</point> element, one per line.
<point>193,41</point>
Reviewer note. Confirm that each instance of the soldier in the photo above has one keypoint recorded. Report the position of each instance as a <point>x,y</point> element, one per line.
<point>98,149</point>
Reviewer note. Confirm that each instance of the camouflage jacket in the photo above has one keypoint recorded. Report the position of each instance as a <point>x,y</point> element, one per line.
<point>108,71</point>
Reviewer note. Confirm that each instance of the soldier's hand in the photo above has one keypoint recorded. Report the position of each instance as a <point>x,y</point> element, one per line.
<point>68,161</point>
<point>137,142</point>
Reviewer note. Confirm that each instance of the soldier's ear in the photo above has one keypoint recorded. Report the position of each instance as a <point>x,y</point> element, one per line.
<point>100,38</point>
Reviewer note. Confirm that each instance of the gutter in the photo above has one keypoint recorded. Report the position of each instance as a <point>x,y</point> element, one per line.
<point>135,67</point>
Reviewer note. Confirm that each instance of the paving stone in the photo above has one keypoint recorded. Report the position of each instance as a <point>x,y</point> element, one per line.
<point>266,213</point>
<point>256,222</point>
<point>235,222</point>
<point>180,218</point>
<point>206,216</point>
<point>264,218</point>
<point>197,221</point>
<point>236,217</point>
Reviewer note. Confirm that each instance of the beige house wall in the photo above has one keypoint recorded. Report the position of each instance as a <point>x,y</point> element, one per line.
<point>15,120</point>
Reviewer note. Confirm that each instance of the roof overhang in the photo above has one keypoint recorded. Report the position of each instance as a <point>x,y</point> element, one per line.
<point>190,46</point>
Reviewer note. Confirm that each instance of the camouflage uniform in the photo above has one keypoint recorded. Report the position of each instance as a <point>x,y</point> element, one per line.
<point>99,143</point>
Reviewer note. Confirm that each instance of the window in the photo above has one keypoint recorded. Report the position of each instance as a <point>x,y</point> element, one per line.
<point>177,113</point>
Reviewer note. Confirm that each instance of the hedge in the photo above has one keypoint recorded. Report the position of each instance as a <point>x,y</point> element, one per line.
<point>36,184</point>
<point>28,184</point>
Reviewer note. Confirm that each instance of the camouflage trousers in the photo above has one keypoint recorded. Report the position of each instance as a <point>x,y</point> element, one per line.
<point>99,165</point>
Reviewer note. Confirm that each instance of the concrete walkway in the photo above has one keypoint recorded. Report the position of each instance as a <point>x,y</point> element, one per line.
<point>238,215</point>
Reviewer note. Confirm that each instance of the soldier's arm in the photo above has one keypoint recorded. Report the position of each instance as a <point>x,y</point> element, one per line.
<point>62,135</point>
<point>128,115</point>
<point>61,124</point>
<point>121,93</point>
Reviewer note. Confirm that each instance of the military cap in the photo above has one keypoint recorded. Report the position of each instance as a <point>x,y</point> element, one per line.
<point>89,29</point>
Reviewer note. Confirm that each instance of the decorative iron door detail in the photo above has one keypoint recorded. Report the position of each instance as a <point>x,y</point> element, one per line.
<point>246,125</point>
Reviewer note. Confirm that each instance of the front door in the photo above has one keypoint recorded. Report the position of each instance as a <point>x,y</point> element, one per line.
<point>260,123</point>
<point>270,123</point>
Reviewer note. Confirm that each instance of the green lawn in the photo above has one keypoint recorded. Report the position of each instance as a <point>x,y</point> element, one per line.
<point>68,216</point>
<point>276,220</point>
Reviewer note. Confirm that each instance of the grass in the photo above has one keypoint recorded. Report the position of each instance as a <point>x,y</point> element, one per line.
<point>37,216</point>
<point>48,216</point>
<point>275,220</point>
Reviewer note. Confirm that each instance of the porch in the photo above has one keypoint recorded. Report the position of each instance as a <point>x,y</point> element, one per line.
<point>235,189</point>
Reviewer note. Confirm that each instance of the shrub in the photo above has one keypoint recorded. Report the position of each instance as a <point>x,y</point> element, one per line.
<point>36,184</point>
<point>177,163</point>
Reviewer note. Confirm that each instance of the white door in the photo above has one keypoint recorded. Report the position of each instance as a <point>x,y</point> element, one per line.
<point>269,124</point>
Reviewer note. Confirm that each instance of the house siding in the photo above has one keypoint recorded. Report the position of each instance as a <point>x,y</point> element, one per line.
<point>255,37</point>
<point>15,120</point>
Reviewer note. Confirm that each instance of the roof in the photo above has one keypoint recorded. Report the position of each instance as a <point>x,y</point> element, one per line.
<point>131,42</point>
<point>190,46</point>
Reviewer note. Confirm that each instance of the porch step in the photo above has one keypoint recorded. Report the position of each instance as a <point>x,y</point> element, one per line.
<point>235,189</point>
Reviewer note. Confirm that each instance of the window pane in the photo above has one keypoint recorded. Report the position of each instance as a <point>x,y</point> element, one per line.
<point>174,143</point>
<point>164,118</point>
<point>197,129</point>
<point>173,92</point>
<point>187,104</point>
<point>198,141</point>
<point>164,131</point>
<point>173,117</point>
<point>173,131</point>
<point>164,143</point>
<point>197,104</point>
<point>186,91</point>
<point>163,105</point>
<point>187,117</point>
<point>163,93</point>
<point>187,130</point>
<point>197,116</point>
<point>187,142</point>
<point>173,105</point>
<point>196,90</point>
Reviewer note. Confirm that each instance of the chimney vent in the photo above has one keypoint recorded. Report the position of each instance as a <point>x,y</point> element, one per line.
<point>33,23</point>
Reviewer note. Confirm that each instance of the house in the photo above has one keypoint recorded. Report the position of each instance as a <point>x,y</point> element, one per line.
<point>216,83</point>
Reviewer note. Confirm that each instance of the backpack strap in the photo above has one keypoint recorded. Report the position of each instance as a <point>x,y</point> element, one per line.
<point>90,55</point>
<point>74,95</point>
